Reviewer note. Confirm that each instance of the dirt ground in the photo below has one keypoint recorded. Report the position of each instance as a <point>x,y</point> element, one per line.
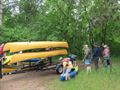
<point>31,80</point>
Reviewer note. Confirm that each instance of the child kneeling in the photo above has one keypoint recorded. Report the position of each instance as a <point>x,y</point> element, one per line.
<point>67,66</point>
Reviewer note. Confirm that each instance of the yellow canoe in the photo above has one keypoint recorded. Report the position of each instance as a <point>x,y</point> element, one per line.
<point>7,60</point>
<point>6,70</point>
<point>20,46</point>
<point>8,45</point>
<point>25,56</point>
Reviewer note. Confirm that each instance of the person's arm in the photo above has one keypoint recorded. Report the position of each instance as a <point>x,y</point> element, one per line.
<point>85,55</point>
<point>4,55</point>
<point>103,53</point>
<point>75,63</point>
<point>64,68</point>
<point>84,58</point>
<point>1,58</point>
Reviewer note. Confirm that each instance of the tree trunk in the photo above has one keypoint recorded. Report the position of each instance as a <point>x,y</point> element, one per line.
<point>0,12</point>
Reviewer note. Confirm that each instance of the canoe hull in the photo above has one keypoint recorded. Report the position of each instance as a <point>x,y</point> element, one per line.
<point>7,70</point>
<point>26,56</point>
<point>21,46</point>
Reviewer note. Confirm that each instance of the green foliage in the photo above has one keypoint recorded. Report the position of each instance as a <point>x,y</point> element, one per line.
<point>17,33</point>
<point>78,23</point>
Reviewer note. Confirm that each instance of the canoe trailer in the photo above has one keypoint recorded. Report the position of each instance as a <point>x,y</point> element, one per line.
<point>54,48</point>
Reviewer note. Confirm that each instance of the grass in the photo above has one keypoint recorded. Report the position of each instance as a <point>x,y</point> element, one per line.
<point>96,80</point>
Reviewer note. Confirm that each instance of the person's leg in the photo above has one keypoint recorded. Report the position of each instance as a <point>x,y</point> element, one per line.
<point>86,63</point>
<point>0,70</point>
<point>90,68</point>
<point>110,65</point>
<point>67,74</point>
<point>87,69</point>
<point>105,62</point>
<point>96,63</point>
<point>108,61</point>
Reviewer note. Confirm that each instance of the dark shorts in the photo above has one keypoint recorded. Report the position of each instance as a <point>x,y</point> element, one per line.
<point>106,61</point>
<point>0,65</point>
<point>95,58</point>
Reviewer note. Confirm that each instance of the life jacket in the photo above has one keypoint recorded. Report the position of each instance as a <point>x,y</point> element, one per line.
<point>1,50</point>
<point>67,63</point>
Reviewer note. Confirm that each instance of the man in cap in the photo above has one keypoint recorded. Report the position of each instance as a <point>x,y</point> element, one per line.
<point>96,56</point>
<point>106,55</point>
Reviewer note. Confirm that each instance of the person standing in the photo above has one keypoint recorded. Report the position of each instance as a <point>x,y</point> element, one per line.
<point>1,58</point>
<point>96,56</point>
<point>106,56</point>
<point>87,58</point>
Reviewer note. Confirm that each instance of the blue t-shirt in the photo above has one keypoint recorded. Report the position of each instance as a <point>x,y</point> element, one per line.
<point>96,52</point>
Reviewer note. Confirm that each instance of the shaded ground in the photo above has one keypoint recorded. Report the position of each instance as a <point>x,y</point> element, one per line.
<point>32,80</point>
<point>28,81</point>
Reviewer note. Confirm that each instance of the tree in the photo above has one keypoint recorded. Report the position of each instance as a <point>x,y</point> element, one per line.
<point>0,12</point>
<point>76,21</point>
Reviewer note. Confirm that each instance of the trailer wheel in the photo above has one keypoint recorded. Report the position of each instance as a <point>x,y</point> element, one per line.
<point>59,68</point>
